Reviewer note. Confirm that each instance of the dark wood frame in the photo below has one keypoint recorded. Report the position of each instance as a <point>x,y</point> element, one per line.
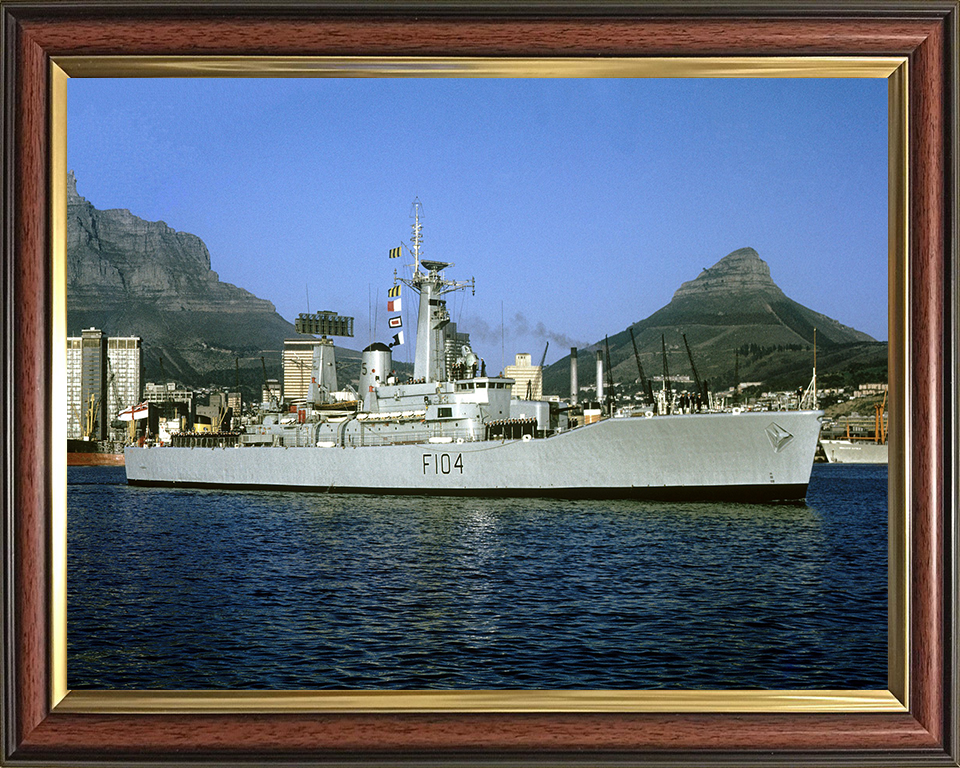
<point>34,733</point>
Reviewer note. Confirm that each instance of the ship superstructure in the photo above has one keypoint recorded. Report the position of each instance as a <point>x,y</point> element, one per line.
<point>452,429</point>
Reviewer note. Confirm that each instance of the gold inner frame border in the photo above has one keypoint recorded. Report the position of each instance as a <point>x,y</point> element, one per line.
<point>894,699</point>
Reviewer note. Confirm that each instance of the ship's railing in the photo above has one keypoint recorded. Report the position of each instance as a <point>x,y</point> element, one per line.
<point>355,434</point>
<point>204,439</point>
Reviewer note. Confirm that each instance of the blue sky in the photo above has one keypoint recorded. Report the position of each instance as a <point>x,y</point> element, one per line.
<point>579,206</point>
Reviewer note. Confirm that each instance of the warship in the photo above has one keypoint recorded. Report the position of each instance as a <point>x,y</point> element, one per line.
<point>451,429</point>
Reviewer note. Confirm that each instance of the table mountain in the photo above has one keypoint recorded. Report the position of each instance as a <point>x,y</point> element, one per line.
<point>733,315</point>
<point>131,277</point>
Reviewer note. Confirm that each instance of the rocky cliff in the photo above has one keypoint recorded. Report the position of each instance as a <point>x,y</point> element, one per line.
<point>738,293</point>
<point>742,271</point>
<point>142,278</point>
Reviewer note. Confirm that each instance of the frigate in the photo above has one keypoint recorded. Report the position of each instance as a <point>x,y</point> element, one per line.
<point>451,429</point>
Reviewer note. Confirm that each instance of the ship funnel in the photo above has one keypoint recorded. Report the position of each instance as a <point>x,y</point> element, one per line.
<point>376,363</point>
<point>599,377</point>
<point>574,388</point>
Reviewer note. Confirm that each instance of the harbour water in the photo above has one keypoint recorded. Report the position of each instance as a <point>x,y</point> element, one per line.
<point>183,589</point>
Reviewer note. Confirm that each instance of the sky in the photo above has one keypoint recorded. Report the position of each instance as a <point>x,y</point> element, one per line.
<point>578,205</point>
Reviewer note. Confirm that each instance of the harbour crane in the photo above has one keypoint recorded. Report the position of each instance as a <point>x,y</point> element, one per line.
<point>667,391</point>
<point>611,397</point>
<point>701,390</point>
<point>91,418</point>
<point>543,359</point>
<point>644,381</point>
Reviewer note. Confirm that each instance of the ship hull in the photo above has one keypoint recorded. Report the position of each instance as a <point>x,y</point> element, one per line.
<point>852,452</point>
<point>741,457</point>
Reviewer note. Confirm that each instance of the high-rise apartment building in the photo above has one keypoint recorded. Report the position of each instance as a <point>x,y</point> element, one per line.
<point>104,376</point>
<point>528,379</point>
<point>297,365</point>
<point>124,373</point>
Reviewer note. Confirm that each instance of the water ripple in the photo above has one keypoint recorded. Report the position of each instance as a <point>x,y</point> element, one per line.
<point>196,589</point>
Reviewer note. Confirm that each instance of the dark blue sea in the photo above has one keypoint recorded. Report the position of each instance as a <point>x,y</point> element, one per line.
<point>187,589</point>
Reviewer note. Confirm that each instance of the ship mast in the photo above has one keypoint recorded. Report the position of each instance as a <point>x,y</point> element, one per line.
<point>417,238</point>
<point>809,398</point>
<point>430,363</point>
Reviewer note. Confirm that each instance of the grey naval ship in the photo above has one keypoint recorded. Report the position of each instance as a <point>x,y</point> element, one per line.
<point>453,430</point>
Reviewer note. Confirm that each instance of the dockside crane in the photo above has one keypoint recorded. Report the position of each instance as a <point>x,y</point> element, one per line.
<point>90,425</point>
<point>667,392</point>
<point>701,389</point>
<point>736,376</point>
<point>611,394</point>
<point>644,381</point>
<point>543,359</point>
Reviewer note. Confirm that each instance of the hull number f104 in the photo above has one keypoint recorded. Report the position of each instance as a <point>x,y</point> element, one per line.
<point>442,464</point>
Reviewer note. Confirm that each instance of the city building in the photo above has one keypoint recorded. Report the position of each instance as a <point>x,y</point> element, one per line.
<point>235,403</point>
<point>528,379</point>
<point>270,392</point>
<point>104,376</point>
<point>453,351</point>
<point>297,365</point>
<point>871,390</point>
<point>124,374</point>
<point>172,404</point>
<point>75,418</point>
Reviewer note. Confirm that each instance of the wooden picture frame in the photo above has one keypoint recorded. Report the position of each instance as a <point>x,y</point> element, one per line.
<point>41,727</point>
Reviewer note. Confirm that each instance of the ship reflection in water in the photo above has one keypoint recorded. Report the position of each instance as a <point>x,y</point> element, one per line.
<point>211,589</point>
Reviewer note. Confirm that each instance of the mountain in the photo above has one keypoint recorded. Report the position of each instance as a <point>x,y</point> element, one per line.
<point>131,277</point>
<point>733,316</point>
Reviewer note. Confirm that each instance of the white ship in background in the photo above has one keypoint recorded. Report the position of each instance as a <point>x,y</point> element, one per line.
<point>454,430</point>
<point>855,448</point>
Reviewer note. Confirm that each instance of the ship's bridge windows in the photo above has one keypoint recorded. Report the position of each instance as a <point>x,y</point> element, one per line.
<point>444,413</point>
<point>481,385</point>
<point>465,387</point>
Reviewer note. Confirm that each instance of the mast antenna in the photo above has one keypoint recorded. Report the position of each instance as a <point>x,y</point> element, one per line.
<point>417,238</point>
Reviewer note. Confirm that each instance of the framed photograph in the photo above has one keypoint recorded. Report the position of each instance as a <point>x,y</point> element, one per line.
<point>910,46</point>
